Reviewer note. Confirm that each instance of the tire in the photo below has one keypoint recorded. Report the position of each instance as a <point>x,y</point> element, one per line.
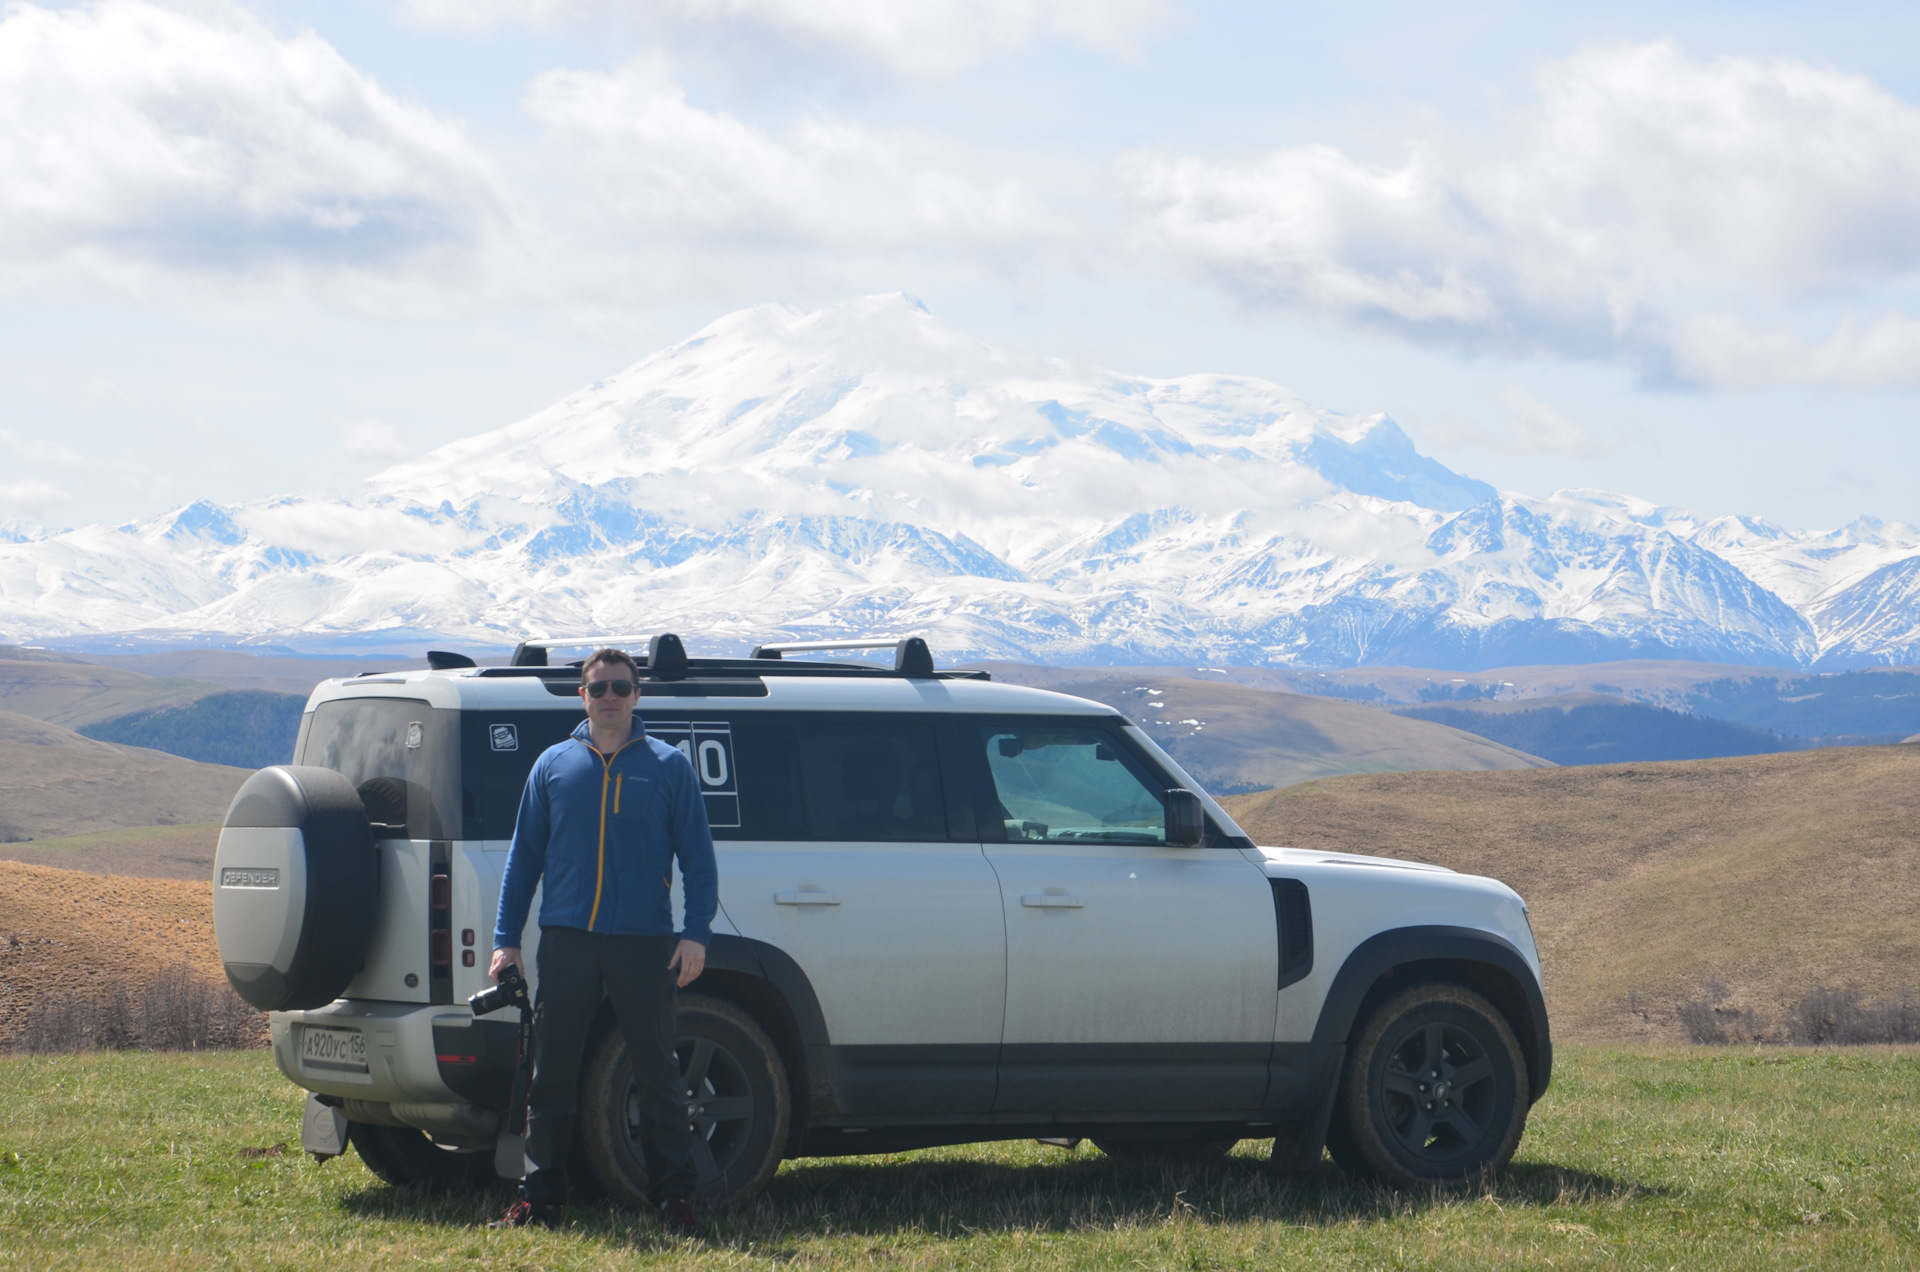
<point>737,1086</point>
<point>1171,1152</point>
<point>1431,1041</point>
<point>294,877</point>
<point>406,1158</point>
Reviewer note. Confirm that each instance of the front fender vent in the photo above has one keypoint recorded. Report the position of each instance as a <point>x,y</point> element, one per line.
<point>1293,915</point>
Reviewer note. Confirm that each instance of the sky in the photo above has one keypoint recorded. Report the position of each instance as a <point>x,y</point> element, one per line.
<point>1668,250</point>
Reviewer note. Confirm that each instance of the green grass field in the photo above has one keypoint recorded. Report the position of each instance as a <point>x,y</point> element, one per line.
<point>1698,1159</point>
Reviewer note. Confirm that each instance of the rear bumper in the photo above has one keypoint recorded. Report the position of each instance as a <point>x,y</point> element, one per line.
<point>414,1053</point>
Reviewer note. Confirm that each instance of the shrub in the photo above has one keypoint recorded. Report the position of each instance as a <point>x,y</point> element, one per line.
<point>176,1011</point>
<point>1838,1017</point>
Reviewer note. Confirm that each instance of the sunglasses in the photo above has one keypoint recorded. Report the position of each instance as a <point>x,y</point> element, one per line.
<point>600,688</point>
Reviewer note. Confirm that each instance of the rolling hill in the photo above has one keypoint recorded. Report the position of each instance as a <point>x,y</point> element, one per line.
<point>1774,874</point>
<point>1591,728</point>
<point>1235,737</point>
<point>194,719</point>
<point>55,783</point>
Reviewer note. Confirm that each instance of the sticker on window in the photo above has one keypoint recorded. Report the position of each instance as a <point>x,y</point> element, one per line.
<point>416,733</point>
<point>506,737</point>
<point>708,746</point>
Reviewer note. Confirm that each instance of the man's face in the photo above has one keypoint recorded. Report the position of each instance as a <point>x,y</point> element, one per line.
<point>610,709</point>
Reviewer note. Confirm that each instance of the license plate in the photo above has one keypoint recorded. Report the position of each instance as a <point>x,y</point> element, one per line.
<point>333,1050</point>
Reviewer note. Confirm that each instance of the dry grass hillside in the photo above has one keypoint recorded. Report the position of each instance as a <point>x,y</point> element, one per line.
<point>1237,737</point>
<point>71,693</point>
<point>55,783</point>
<point>230,669</point>
<point>1774,874</point>
<point>79,935</point>
<point>147,852</point>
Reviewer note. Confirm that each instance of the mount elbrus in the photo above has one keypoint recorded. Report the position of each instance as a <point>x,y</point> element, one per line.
<point>867,467</point>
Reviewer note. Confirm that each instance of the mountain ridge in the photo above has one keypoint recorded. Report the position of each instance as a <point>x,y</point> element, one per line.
<point>867,467</point>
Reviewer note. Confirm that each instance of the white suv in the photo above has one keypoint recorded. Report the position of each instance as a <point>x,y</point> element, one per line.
<point>950,911</point>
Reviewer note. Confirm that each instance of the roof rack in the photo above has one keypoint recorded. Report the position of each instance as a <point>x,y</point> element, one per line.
<point>533,653</point>
<point>666,658</point>
<point>911,657</point>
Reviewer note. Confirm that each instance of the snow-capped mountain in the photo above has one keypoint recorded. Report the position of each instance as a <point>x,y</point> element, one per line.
<point>866,468</point>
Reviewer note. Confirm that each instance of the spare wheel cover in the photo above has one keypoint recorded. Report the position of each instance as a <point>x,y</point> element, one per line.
<point>294,880</point>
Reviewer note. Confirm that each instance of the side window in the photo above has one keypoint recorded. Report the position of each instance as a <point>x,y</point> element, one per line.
<point>498,750</point>
<point>870,779</point>
<point>767,758</point>
<point>1072,784</point>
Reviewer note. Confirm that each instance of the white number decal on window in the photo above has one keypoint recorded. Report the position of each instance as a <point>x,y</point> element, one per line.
<point>713,763</point>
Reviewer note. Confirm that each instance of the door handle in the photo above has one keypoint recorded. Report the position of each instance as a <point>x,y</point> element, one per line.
<point>1051,901</point>
<point>806,898</point>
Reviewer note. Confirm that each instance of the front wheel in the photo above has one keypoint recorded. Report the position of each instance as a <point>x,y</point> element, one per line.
<point>1435,1091</point>
<point>737,1099</point>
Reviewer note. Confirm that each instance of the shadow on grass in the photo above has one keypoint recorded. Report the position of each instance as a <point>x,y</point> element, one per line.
<point>955,1198</point>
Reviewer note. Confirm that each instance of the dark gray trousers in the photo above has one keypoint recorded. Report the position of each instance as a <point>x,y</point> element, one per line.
<point>577,970</point>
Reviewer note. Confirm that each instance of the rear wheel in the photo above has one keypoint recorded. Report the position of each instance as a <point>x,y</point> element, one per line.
<point>737,1096</point>
<point>406,1158</point>
<point>1435,1091</point>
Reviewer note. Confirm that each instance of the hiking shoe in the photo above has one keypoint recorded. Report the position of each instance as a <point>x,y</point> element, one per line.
<point>676,1215</point>
<point>525,1214</point>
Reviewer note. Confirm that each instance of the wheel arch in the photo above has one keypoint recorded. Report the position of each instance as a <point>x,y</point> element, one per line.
<point>764,982</point>
<point>1391,961</point>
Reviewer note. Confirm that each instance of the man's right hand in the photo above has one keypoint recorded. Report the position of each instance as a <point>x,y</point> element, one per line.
<point>503,957</point>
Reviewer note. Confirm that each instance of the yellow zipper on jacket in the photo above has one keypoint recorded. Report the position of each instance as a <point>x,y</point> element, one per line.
<point>600,872</point>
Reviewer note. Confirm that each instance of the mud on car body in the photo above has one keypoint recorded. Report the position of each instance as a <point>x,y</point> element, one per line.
<point>950,911</point>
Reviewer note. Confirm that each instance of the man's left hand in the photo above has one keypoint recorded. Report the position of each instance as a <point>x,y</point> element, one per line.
<point>691,958</point>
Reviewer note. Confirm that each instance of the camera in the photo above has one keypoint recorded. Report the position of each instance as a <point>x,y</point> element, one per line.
<point>510,992</point>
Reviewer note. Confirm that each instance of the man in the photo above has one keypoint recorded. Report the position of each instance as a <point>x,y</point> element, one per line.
<point>602,818</point>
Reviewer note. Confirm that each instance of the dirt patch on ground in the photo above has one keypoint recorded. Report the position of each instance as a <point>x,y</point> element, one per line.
<point>1770,874</point>
<point>79,935</point>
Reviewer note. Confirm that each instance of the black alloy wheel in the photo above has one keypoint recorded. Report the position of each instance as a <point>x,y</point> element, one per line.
<point>407,1158</point>
<point>1435,1091</point>
<point>737,1101</point>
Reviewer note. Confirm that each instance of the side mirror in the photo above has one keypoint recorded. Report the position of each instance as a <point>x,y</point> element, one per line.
<point>1186,820</point>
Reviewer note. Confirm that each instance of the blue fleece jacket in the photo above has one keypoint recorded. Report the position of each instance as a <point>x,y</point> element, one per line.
<point>603,831</point>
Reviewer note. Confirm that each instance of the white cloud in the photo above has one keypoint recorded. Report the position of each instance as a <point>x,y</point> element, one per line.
<point>669,165</point>
<point>133,135</point>
<point>42,450</point>
<point>1646,192</point>
<point>33,493</point>
<point>939,36</point>
<point>1725,349</point>
<point>1407,248</point>
<point>1535,427</point>
<point>942,35</point>
<point>370,438</point>
<point>1802,176</point>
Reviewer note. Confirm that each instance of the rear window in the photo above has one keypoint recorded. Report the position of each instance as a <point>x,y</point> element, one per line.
<point>400,754</point>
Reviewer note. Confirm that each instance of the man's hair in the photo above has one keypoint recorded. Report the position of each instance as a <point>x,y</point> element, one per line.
<point>610,656</point>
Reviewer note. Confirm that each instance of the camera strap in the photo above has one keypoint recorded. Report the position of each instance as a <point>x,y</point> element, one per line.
<point>522,1073</point>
